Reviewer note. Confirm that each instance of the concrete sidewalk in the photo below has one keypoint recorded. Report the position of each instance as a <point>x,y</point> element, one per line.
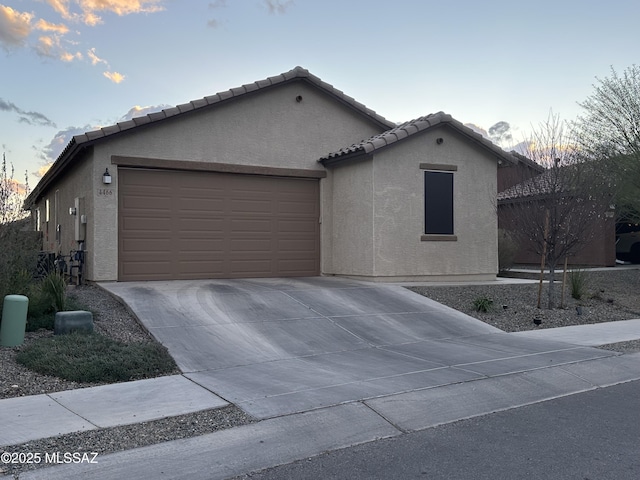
<point>40,416</point>
<point>285,439</point>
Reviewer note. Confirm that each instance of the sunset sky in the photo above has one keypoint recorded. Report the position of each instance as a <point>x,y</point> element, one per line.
<point>68,66</point>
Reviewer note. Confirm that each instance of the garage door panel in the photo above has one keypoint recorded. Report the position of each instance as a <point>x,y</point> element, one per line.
<point>147,202</point>
<point>241,245</point>
<point>148,245</point>
<point>193,205</point>
<point>251,267</point>
<point>200,267</point>
<point>208,225</point>
<point>253,207</point>
<point>202,246</point>
<point>147,270</point>
<point>132,225</point>
<point>251,225</point>
<point>175,224</point>
<point>293,208</point>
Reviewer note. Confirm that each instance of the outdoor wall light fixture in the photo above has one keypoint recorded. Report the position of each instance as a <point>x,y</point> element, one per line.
<point>106,177</point>
<point>72,210</point>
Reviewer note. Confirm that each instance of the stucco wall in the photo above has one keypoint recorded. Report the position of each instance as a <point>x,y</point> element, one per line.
<point>77,183</point>
<point>266,129</point>
<point>351,221</point>
<point>397,212</point>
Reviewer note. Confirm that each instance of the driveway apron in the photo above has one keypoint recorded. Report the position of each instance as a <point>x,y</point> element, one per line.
<point>280,346</point>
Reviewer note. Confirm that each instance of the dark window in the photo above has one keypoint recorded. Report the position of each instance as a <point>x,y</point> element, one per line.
<point>438,203</point>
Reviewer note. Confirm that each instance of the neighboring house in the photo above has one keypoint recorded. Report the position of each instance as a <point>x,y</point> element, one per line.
<point>594,225</point>
<point>515,173</point>
<point>260,181</point>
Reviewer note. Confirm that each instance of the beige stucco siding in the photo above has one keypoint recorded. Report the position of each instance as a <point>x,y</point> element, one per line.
<point>399,209</point>
<point>61,196</point>
<point>378,213</point>
<point>351,221</point>
<point>270,129</point>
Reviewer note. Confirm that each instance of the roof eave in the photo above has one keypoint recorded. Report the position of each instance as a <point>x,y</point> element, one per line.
<point>67,156</point>
<point>348,157</point>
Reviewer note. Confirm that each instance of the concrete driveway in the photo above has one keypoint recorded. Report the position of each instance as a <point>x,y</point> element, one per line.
<point>281,346</point>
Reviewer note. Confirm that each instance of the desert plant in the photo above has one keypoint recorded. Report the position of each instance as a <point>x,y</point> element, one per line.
<point>82,357</point>
<point>55,287</point>
<point>578,283</point>
<point>18,256</point>
<point>483,304</point>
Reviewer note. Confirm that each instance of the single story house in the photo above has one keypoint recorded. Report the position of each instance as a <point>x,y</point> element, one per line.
<point>287,176</point>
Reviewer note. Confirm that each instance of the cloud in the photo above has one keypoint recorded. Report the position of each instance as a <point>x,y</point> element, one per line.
<point>15,27</point>
<point>115,77</point>
<point>500,132</point>
<point>278,6</point>
<point>94,58</point>
<point>60,140</point>
<point>45,26</point>
<point>42,170</point>
<point>30,118</point>
<point>477,129</point>
<point>138,111</point>
<point>70,57</point>
<point>50,152</point>
<point>51,46</point>
<point>61,7</point>
<point>90,9</point>
<point>214,23</point>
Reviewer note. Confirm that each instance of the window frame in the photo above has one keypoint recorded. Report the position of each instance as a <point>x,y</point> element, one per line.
<point>443,235</point>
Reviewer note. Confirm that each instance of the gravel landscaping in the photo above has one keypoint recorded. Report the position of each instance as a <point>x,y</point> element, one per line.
<point>611,296</point>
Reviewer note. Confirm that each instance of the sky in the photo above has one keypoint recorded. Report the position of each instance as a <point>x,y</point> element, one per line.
<point>69,66</point>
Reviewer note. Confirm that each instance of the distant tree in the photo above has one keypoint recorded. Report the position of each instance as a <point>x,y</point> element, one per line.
<point>18,246</point>
<point>609,131</point>
<point>554,213</point>
<point>12,194</point>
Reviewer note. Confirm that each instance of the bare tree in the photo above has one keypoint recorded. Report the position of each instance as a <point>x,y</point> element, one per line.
<point>12,194</point>
<point>18,246</point>
<point>554,214</point>
<point>609,131</point>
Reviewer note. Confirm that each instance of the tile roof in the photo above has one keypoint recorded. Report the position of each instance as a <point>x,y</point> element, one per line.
<point>298,73</point>
<point>551,181</point>
<point>400,132</point>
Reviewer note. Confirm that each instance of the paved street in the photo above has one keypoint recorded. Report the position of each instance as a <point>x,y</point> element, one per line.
<point>587,436</point>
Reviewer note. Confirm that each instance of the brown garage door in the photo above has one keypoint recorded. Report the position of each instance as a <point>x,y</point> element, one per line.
<point>188,225</point>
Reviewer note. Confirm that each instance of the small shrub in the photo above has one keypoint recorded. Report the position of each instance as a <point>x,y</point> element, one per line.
<point>578,283</point>
<point>55,287</point>
<point>18,254</point>
<point>483,304</point>
<point>95,358</point>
